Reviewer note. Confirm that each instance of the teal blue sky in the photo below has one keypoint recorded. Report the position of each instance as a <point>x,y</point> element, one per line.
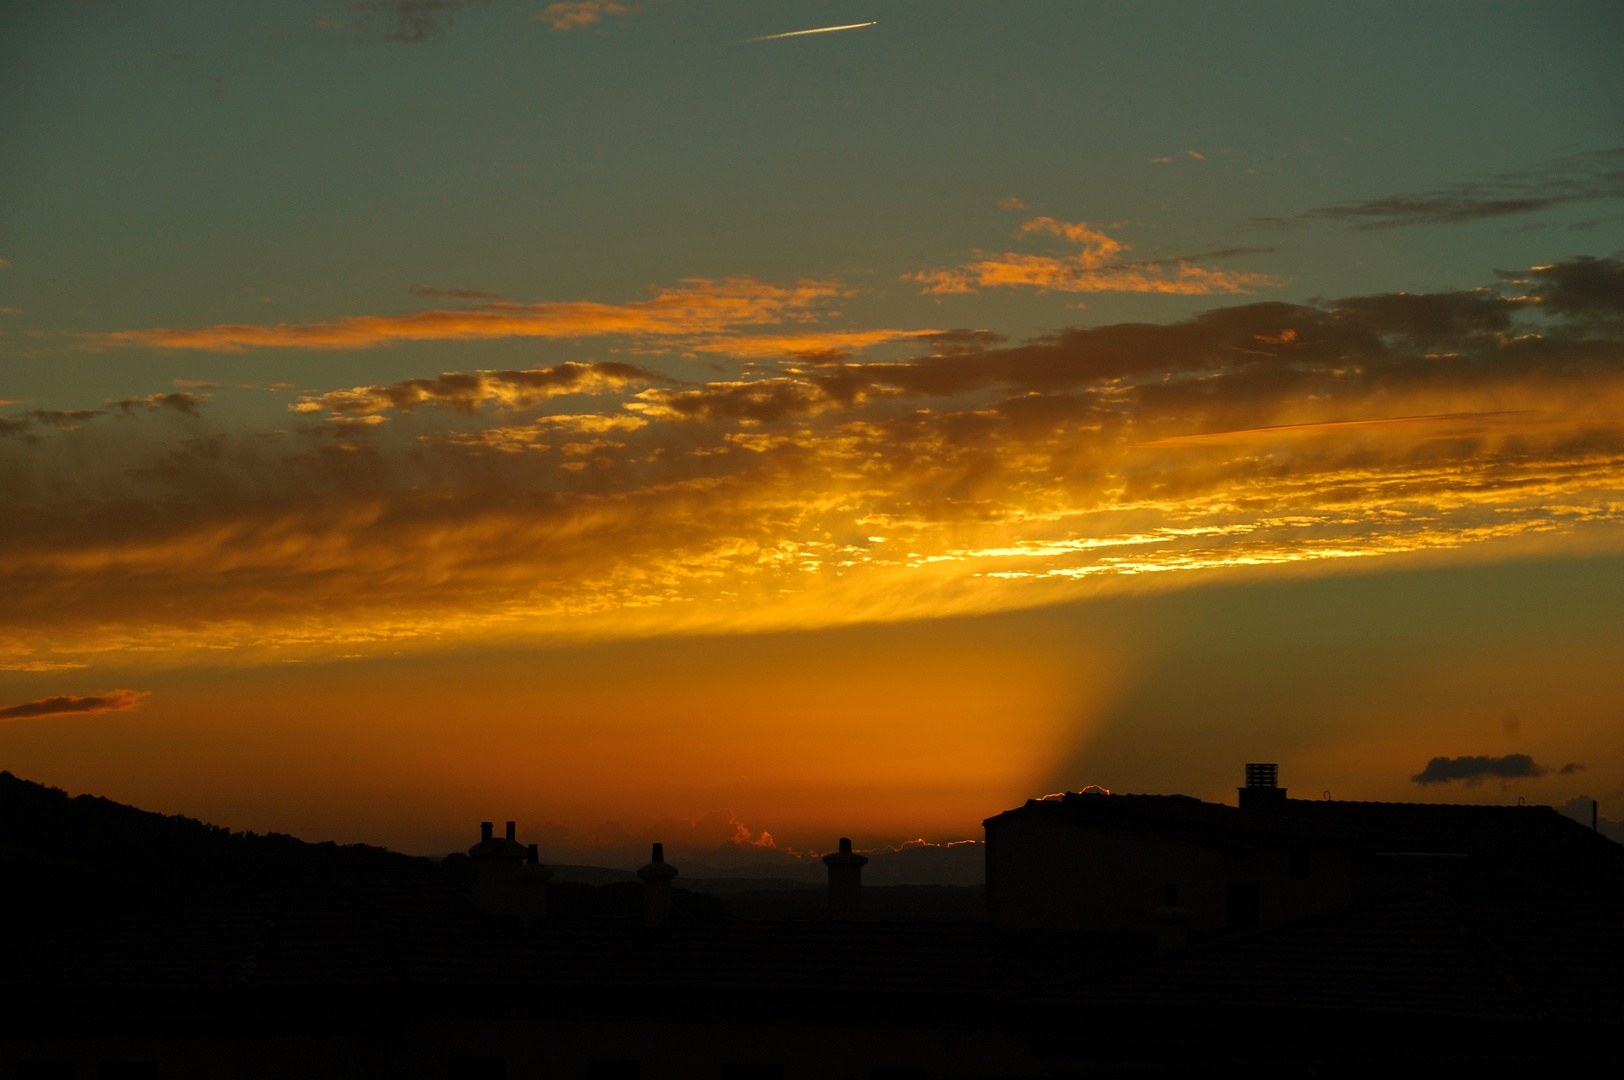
<point>173,164</point>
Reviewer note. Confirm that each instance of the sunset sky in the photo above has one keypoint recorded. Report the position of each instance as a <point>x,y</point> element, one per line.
<point>626,419</point>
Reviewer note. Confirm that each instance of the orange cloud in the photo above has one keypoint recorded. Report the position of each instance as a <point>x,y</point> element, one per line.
<point>573,16</point>
<point>111,701</point>
<point>698,307</point>
<point>814,345</point>
<point>1093,269</point>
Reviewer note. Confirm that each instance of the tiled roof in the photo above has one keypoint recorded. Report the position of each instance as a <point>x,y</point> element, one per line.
<point>1490,958</point>
<point>1510,957</point>
<point>430,936</point>
<point>1177,815</point>
<point>1528,834</point>
<point>1533,837</point>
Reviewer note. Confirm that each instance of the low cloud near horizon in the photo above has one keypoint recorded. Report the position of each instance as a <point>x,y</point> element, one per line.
<point>1475,768</point>
<point>69,704</point>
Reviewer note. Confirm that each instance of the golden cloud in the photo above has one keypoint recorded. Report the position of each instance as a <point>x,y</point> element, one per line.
<point>1096,268</point>
<point>977,475</point>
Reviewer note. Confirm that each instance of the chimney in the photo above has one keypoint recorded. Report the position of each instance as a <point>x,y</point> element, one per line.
<point>532,879</point>
<point>512,833</point>
<point>657,877</point>
<point>1172,923</point>
<point>845,881</point>
<point>496,872</point>
<point>1261,791</point>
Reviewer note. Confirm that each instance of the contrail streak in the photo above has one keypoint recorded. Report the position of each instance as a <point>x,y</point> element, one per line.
<point>819,30</point>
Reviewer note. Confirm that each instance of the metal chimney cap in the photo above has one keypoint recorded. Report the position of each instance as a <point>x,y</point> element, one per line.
<point>1262,774</point>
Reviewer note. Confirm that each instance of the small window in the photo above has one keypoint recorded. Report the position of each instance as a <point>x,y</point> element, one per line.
<point>1243,905</point>
<point>472,1068</point>
<point>614,1070</point>
<point>1299,860</point>
<point>128,1070</point>
<point>45,1070</point>
<point>746,1071</point>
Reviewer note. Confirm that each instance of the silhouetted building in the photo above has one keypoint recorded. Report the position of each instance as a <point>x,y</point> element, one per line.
<point>1372,935</point>
<point>1096,861</point>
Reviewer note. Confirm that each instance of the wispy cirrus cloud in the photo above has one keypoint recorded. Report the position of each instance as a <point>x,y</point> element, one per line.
<point>69,704</point>
<point>1579,178</point>
<point>1098,267</point>
<point>432,293</point>
<point>407,22</point>
<point>807,345</point>
<point>697,307</point>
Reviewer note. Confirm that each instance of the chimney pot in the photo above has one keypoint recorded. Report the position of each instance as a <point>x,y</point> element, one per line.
<point>1262,790</point>
<point>656,878</point>
<point>512,831</point>
<point>497,867</point>
<point>533,855</point>
<point>845,881</point>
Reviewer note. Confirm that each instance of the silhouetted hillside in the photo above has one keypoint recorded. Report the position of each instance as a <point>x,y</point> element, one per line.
<point>68,861</point>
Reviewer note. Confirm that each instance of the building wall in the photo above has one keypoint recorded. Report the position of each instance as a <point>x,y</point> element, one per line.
<point>1047,870</point>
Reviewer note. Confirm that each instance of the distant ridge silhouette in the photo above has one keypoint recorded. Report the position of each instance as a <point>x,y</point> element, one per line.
<point>86,858</point>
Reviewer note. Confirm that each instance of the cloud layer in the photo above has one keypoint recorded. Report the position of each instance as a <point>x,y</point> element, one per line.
<point>973,474</point>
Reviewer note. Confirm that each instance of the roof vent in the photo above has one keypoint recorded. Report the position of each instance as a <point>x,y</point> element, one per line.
<point>1262,790</point>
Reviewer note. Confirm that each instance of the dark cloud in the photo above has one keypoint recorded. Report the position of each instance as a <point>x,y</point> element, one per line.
<point>1571,767</point>
<point>111,701</point>
<point>1584,287</point>
<point>467,391</point>
<point>406,21</point>
<point>1579,178</point>
<point>1474,768</point>
<point>20,423</point>
<point>178,401</point>
<point>430,292</point>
